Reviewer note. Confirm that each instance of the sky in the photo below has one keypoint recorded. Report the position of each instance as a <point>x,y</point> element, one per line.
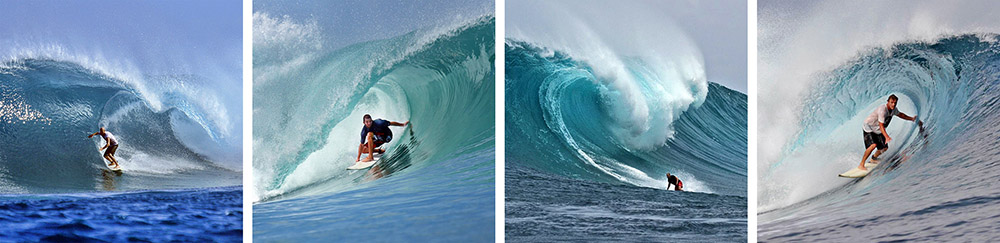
<point>346,22</point>
<point>718,28</point>
<point>156,36</point>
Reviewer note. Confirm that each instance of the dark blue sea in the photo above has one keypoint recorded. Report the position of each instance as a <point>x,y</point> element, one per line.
<point>201,215</point>
<point>55,187</point>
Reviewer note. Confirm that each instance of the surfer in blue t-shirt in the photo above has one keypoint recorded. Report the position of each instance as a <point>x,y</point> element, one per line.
<point>874,129</point>
<point>112,146</point>
<point>375,133</point>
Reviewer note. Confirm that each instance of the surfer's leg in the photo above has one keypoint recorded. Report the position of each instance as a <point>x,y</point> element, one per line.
<point>878,153</point>
<point>863,158</point>
<point>111,154</point>
<point>370,148</point>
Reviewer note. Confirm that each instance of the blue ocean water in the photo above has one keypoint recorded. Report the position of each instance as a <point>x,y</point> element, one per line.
<point>205,214</point>
<point>54,185</point>
<point>937,181</point>
<point>570,175</point>
<point>436,180</point>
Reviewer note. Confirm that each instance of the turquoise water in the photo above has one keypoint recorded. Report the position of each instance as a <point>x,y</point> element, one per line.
<point>570,175</point>
<point>436,180</point>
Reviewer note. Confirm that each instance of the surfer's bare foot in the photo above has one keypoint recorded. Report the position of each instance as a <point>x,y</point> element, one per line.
<point>367,159</point>
<point>860,167</point>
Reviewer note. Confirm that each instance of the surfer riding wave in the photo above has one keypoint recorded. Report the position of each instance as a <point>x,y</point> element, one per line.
<point>111,145</point>
<point>374,134</point>
<point>874,129</point>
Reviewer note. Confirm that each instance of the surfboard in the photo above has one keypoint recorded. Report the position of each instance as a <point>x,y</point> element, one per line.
<point>364,165</point>
<point>117,170</point>
<point>856,173</point>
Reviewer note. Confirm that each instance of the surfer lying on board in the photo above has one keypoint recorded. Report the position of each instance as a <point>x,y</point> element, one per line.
<point>111,145</point>
<point>374,134</point>
<point>672,180</point>
<point>874,129</point>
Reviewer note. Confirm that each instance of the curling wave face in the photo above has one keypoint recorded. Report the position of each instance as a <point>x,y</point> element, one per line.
<point>308,114</point>
<point>47,107</point>
<point>564,117</point>
<point>951,84</point>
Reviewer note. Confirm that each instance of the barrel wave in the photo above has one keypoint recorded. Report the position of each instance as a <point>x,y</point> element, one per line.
<point>49,106</point>
<point>566,119</point>
<point>308,108</point>
<point>581,139</point>
<point>932,172</point>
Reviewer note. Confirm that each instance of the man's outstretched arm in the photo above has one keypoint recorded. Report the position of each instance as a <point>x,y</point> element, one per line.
<point>904,116</point>
<point>392,123</point>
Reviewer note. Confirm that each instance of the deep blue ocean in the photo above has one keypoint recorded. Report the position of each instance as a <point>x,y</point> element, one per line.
<point>937,182</point>
<point>176,184</point>
<point>571,175</point>
<point>202,215</point>
<point>436,180</point>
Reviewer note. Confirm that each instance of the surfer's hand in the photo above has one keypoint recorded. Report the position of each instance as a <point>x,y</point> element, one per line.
<point>406,123</point>
<point>887,138</point>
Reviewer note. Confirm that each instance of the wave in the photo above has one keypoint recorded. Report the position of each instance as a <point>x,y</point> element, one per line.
<point>48,106</point>
<point>308,104</point>
<point>950,83</point>
<point>567,117</point>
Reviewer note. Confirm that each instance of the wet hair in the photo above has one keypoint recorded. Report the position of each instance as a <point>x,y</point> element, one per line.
<point>367,117</point>
<point>892,97</point>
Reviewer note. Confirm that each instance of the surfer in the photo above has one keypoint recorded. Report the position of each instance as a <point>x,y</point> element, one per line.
<point>111,145</point>
<point>672,180</point>
<point>874,129</point>
<point>373,134</point>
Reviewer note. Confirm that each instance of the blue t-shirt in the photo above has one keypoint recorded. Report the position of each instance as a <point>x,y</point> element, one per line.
<point>379,127</point>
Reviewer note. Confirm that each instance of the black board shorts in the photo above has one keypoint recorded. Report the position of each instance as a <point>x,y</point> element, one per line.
<point>875,138</point>
<point>111,149</point>
<point>379,140</point>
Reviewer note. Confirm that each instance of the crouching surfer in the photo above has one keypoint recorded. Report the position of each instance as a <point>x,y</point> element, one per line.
<point>672,180</point>
<point>373,134</point>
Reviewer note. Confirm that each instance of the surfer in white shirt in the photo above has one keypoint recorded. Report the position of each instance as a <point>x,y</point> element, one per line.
<point>111,145</point>
<point>874,129</point>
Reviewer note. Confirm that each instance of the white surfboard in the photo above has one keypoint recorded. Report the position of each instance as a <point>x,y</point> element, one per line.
<point>116,168</point>
<point>856,173</point>
<point>364,165</point>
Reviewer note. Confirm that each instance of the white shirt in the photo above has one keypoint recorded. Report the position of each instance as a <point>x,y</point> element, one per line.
<point>879,115</point>
<point>110,137</point>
